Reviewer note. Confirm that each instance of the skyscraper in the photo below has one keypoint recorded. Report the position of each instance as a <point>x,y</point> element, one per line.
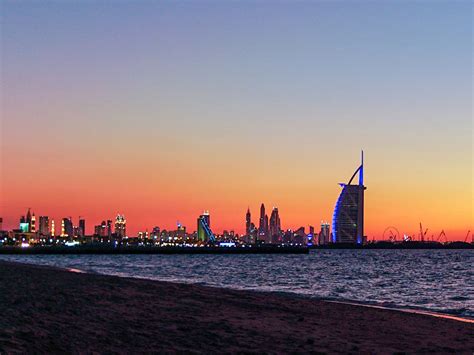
<point>274,228</point>
<point>67,229</point>
<point>43,227</point>
<point>103,230</point>
<point>109,228</point>
<point>324,234</point>
<point>24,225</point>
<point>263,224</point>
<point>204,228</point>
<point>248,222</point>
<point>120,226</point>
<point>82,227</point>
<point>265,229</point>
<point>348,218</point>
<point>33,223</point>
<point>28,219</point>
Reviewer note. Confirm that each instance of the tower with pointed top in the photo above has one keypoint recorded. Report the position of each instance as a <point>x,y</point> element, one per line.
<point>248,222</point>
<point>120,226</point>
<point>28,220</point>
<point>263,224</point>
<point>348,217</point>
<point>275,226</point>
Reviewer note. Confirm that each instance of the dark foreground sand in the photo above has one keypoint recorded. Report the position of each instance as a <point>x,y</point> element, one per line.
<point>47,310</point>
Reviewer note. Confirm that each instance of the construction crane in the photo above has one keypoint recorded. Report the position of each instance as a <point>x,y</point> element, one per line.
<point>442,234</point>
<point>422,235</point>
<point>467,236</point>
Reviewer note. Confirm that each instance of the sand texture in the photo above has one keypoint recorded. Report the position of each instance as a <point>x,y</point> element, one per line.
<point>48,310</point>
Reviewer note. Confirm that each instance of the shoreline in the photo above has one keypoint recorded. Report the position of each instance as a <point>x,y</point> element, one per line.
<point>238,316</point>
<point>406,310</point>
<point>356,303</point>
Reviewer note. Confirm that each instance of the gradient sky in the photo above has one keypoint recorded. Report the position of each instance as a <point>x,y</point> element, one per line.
<point>160,110</point>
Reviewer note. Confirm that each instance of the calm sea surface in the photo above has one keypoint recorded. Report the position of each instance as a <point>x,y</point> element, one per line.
<point>435,280</point>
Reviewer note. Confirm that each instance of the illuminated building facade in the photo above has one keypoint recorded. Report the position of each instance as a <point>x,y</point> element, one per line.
<point>204,231</point>
<point>24,226</point>
<point>28,220</point>
<point>26,223</point>
<point>33,224</point>
<point>311,239</point>
<point>120,226</point>
<point>67,229</point>
<point>348,217</point>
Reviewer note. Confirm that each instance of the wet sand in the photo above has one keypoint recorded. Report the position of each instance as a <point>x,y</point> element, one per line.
<point>48,310</point>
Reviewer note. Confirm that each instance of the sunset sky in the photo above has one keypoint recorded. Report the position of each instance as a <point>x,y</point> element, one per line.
<point>160,110</point>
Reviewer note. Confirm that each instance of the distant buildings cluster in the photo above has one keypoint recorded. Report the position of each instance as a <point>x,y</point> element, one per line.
<point>269,231</point>
<point>347,227</point>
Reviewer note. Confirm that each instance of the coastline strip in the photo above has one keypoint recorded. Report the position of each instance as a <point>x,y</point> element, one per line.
<point>406,310</point>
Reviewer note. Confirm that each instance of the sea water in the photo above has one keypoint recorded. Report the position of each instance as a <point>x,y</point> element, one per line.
<point>433,280</point>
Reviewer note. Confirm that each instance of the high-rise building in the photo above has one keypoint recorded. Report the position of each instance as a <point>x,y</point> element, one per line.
<point>1,223</point>
<point>82,227</point>
<point>67,229</point>
<point>25,222</point>
<point>311,239</point>
<point>28,219</point>
<point>204,228</point>
<point>120,226</point>
<point>324,234</point>
<point>261,225</point>
<point>180,231</point>
<point>265,228</point>
<point>155,232</point>
<point>43,226</point>
<point>348,218</point>
<point>109,228</point>
<point>103,230</point>
<point>52,229</point>
<point>33,223</point>
<point>275,227</point>
<point>248,222</point>
<point>24,225</point>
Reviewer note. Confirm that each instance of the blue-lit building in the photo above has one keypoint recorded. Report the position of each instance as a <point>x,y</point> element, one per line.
<point>204,231</point>
<point>348,217</point>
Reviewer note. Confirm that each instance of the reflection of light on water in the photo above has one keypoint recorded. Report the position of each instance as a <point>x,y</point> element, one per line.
<point>75,270</point>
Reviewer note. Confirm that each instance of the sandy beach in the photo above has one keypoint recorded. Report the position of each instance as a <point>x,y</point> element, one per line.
<point>48,310</point>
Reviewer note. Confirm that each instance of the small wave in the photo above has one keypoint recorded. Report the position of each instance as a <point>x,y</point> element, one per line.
<point>75,270</point>
<point>460,298</point>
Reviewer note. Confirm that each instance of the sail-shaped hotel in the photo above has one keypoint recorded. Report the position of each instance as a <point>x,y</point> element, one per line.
<point>348,218</point>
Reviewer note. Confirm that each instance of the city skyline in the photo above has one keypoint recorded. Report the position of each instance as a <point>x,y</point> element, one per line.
<point>160,111</point>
